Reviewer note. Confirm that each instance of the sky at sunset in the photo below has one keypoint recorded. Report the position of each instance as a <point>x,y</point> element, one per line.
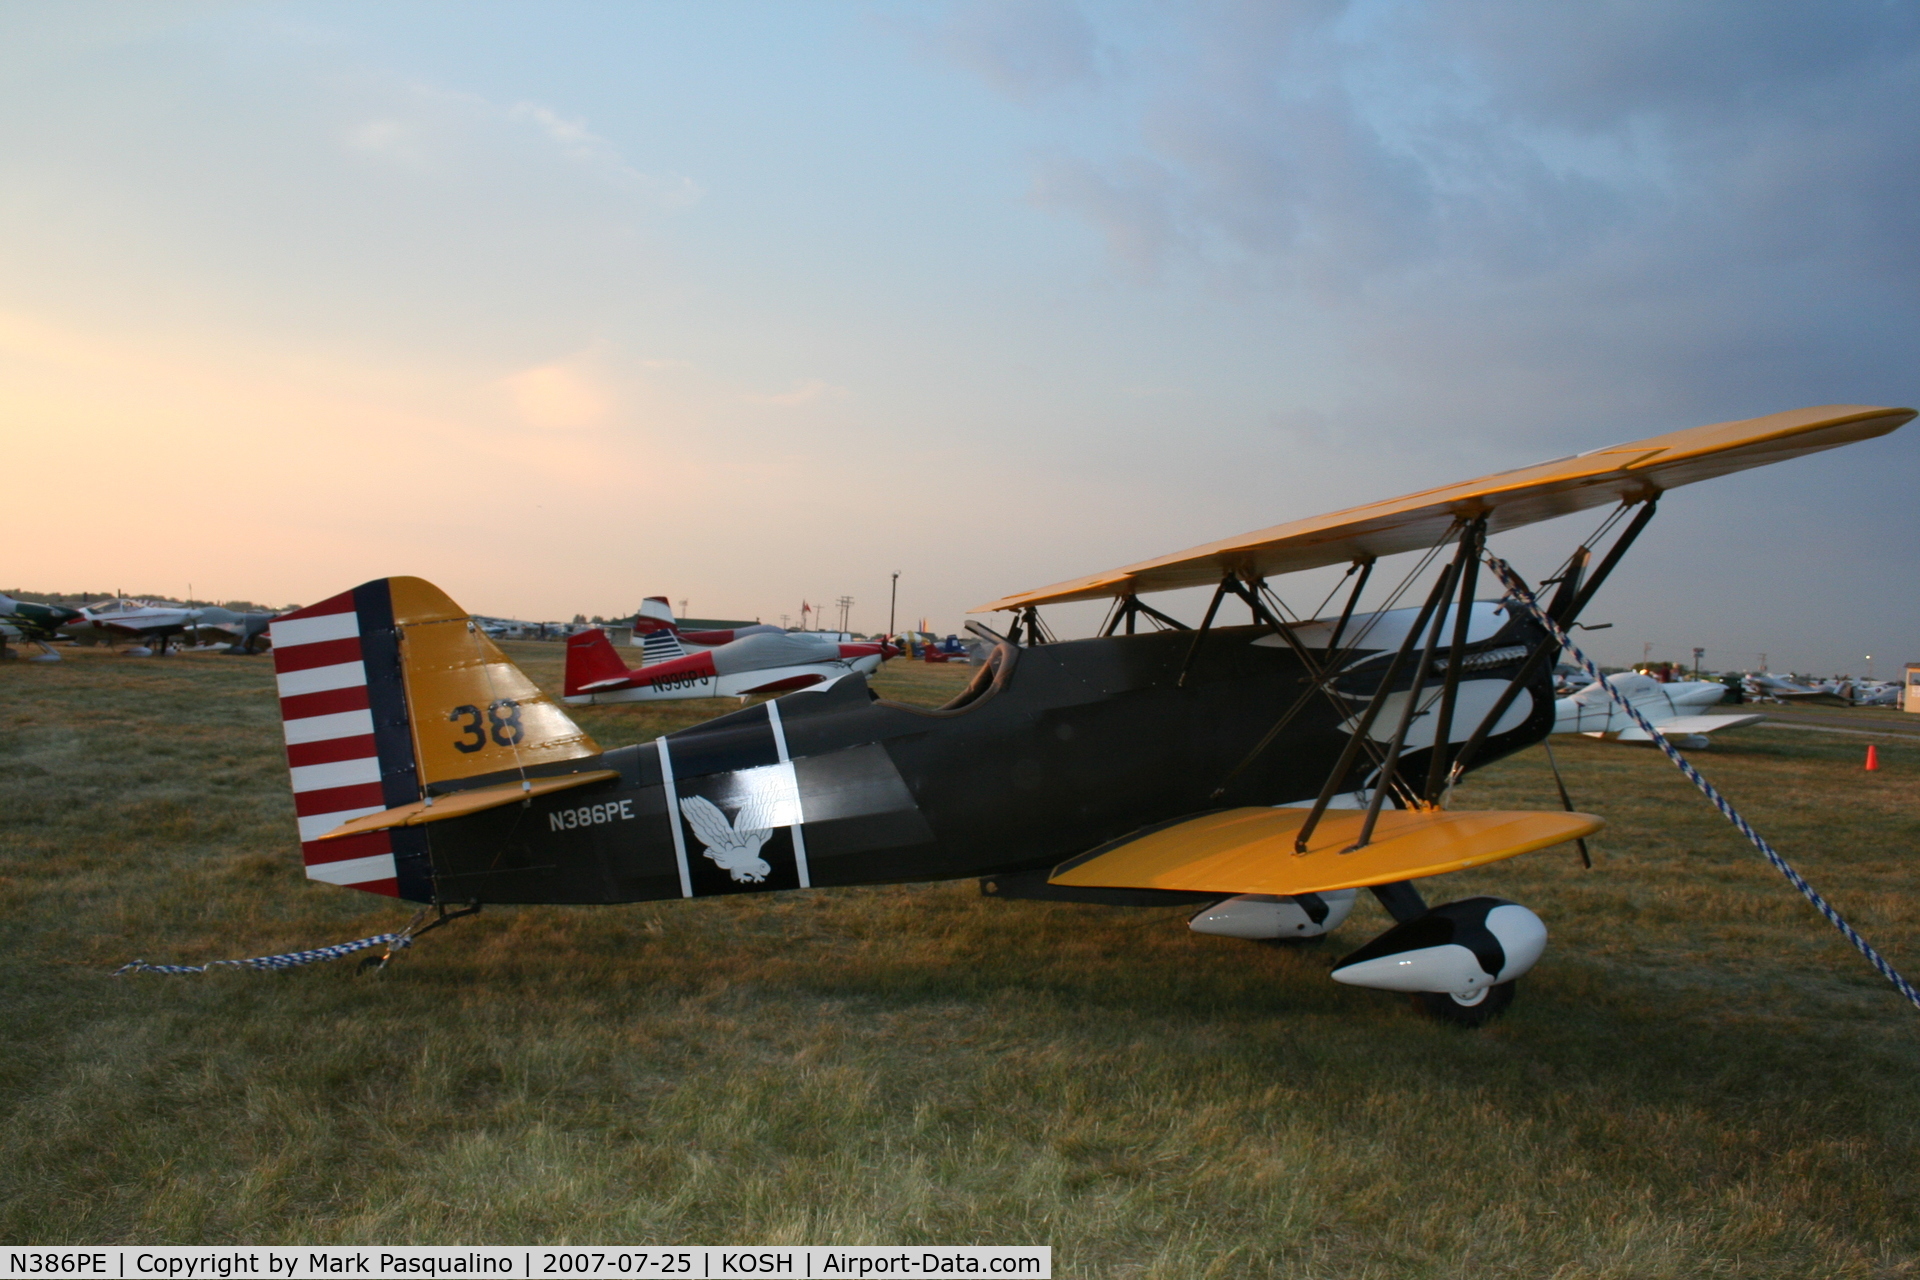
<point>562,305</point>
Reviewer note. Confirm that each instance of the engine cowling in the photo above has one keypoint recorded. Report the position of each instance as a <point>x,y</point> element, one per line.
<point>1460,948</point>
<point>1262,917</point>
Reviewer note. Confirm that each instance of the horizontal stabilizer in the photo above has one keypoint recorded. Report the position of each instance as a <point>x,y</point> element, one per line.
<point>461,803</point>
<point>1250,850</point>
<point>1685,725</point>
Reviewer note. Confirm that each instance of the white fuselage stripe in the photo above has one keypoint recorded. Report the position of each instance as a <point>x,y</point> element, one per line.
<point>354,870</point>
<point>673,817</point>
<point>328,626</point>
<point>799,828</point>
<point>723,686</point>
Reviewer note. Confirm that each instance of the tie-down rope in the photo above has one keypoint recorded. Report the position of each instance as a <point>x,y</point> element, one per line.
<point>286,960</point>
<point>1526,601</point>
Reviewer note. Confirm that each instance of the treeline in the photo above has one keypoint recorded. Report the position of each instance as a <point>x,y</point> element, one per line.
<point>75,599</point>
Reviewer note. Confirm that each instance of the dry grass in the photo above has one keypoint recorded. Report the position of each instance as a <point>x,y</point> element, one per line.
<point>1699,1079</point>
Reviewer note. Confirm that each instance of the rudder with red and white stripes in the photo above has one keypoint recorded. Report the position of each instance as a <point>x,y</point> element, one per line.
<point>349,749</point>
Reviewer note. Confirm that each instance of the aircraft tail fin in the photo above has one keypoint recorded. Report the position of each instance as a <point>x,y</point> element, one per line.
<point>591,659</point>
<point>657,632</point>
<point>661,646</point>
<point>387,693</point>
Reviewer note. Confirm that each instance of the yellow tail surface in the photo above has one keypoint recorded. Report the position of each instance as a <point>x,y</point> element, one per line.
<point>471,711</point>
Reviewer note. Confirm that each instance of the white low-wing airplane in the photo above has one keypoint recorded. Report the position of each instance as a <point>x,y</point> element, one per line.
<point>752,664</point>
<point>1778,688</point>
<point>1674,708</point>
<point>150,627</point>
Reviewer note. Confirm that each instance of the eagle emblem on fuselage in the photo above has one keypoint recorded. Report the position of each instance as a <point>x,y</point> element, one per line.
<point>734,846</point>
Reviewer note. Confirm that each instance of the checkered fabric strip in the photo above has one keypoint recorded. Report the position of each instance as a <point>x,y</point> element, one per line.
<point>285,960</point>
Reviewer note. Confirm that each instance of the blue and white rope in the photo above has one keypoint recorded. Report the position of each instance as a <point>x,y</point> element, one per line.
<point>286,960</point>
<point>1526,601</point>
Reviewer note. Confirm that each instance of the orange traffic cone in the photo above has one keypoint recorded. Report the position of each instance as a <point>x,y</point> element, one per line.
<point>1873,758</point>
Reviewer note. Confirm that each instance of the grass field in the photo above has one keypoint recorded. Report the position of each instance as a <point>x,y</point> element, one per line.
<point>1700,1078</point>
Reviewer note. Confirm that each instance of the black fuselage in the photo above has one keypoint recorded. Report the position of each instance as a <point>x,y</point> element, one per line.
<point>1070,746</point>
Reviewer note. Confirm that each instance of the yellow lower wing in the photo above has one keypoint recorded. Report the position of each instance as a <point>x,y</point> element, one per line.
<point>462,803</point>
<point>1251,850</point>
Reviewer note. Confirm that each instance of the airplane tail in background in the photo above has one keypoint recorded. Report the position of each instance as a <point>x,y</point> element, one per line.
<point>591,659</point>
<point>387,692</point>
<point>656,632</point>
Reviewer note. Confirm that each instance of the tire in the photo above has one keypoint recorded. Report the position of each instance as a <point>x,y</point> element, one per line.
<point>1441,1006</point>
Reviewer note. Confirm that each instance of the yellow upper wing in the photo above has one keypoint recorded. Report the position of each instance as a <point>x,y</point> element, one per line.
<point>1508,499</point>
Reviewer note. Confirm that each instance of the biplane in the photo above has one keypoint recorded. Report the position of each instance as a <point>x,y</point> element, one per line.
<point>1264,771</point>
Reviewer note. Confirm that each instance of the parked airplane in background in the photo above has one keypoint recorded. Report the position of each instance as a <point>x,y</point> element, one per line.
<point>952,649</point>
<point>660,639</point>
<point>30,620</point>
<point>1673,707</point>
<point>1876,693</point>
<point>752,664</point>
<point>117,621</point>
<point>244,632</point>
<point>1784,689</point>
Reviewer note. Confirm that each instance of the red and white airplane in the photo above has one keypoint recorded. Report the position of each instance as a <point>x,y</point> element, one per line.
<point>765,661</point>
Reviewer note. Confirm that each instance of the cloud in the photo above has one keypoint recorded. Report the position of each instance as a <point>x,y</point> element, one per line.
<point>805,392</point>
<point>1132,205</point>
<point>1025,49</point>
<point>426,127</point>
<point>1486,233</point>
<point>1718,197</point>
<point>557,397</point>
<point>584,147</point>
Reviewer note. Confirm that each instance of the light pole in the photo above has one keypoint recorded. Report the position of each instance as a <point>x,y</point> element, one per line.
<point>893,599</point>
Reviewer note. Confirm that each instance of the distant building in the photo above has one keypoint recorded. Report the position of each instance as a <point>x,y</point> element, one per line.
<point>1910,696</point>
<point>716,624</point>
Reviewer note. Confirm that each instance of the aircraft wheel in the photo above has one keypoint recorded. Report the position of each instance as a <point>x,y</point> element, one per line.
<point>1443,1006</point>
